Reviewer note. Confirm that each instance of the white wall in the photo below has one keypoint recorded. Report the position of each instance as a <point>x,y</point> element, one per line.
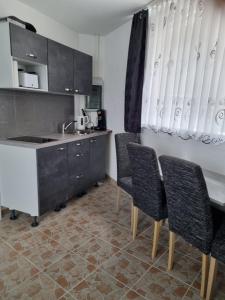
<point>115,50</point>
<point>45,26</point>
<point>115,46</point>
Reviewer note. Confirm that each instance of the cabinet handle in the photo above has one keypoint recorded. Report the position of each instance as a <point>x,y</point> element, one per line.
<point>31,55</point>
<point>60,149</point>
<point>76,91</point>
<point>79,176</point>
<point>78,144</point>
<point>93,141</point>
<point>79,155</point>
<point>68,90</point>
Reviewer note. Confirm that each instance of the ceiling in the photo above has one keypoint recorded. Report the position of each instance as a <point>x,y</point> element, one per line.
<point>88,16</point>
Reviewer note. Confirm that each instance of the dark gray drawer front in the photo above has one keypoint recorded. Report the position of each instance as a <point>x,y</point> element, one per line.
<point>78,162</point>
<point>28,45</point>
<point>78,183</point>
<point>78,147</point>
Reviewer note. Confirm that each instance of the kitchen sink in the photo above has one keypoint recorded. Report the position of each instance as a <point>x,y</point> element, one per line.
<point>32,139</point>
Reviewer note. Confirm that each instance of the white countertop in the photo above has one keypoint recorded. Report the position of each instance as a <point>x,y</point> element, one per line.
<point>61,139</point>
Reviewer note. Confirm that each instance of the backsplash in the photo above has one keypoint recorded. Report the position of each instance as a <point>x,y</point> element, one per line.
<point>26,113</point>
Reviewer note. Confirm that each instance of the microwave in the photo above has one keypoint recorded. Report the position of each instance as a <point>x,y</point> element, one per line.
<point>28,80</point>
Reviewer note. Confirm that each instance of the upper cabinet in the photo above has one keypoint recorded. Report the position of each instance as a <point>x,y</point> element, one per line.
<point>32,62</point>
<point>28,45</point>
<point>82,73</point>
<point>60,68</point>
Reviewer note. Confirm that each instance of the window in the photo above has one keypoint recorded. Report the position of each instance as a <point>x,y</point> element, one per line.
<point>184,87</point>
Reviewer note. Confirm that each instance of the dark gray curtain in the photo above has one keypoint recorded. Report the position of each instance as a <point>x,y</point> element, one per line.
<point>135,72</point>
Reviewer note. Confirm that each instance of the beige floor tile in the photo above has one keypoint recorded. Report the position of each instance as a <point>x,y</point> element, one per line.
<point>9,228</point>
<point>46,254</point>
<point>132,295</point>
<point>67,297</point>
<point>67,234</point>
<point>97,251</point>
<point>40,287</point>
<point>193,294</point>
<point>187,249</point>
<point>157,285</point>
<point>26,240</point>
<point>185,268</point>
<point>99,286</point>
<point>125,268</point>
<point>164,234</point>
<point>141,247</point>
<point>219,286</point>
<point>116,235</point>
<point>14,269</point>
<point>70,270</point>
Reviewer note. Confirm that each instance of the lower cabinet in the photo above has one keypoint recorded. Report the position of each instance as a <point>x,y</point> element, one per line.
<point>68,170</point>
<point>52,177</point>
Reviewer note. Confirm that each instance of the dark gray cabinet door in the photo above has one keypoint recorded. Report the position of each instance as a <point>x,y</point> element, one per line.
<point>60,68</point>
<point>52,167</point>
<point>97,166</point>
<point>28,45</point>
<point>82,73</point>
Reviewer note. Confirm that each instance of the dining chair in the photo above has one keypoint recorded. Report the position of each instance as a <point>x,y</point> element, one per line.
<point>189,210</point>
<point>148,189</point>
<point>217,254</point>
<point>124,180</point>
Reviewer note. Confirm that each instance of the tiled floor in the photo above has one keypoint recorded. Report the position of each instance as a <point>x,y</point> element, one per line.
<point>85,252</point>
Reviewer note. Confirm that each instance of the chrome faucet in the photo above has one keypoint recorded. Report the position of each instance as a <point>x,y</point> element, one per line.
<point>65,126</point>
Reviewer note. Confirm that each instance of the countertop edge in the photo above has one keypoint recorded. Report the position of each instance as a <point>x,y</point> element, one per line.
<point>61,139</point>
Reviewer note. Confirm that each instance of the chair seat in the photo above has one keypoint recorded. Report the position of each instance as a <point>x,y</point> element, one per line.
<point>126,184</point>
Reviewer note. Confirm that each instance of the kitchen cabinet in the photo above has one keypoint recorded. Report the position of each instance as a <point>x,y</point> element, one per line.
<point>82,73</point>
<point>28,45</point>
<point>78,164</point>
<point>39,178</point>
<point>52,177</point>
<point>60,68</point>
<point>97,165</point>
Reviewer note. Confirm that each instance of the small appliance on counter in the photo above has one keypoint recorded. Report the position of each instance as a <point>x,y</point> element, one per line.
<point>101,120</point>
<point>82,122</point>
<point>28,79</point>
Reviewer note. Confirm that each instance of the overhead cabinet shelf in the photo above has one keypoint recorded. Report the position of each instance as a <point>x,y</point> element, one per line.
<point>29,61</point>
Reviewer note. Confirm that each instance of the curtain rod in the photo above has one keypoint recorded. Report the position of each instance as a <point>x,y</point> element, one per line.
<point>144,7</point>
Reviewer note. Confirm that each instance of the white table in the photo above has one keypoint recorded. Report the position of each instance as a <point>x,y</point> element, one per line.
<point>216,187</point>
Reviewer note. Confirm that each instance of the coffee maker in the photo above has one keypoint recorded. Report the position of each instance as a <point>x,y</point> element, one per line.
<point>101,120</point>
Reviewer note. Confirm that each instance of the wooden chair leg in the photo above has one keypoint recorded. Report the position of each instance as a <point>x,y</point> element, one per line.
<point>118,198</point>
<point>157,227</point>
<point>132,215</point>
<point>205,272</point>
<point>172,239</point>
<point>135,221</point>
<point>212,277</point>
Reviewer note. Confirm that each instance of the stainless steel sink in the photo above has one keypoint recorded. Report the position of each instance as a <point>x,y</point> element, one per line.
<point>32,139</point>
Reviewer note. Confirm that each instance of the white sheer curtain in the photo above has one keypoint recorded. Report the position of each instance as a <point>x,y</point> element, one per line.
<point>184,88</point>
